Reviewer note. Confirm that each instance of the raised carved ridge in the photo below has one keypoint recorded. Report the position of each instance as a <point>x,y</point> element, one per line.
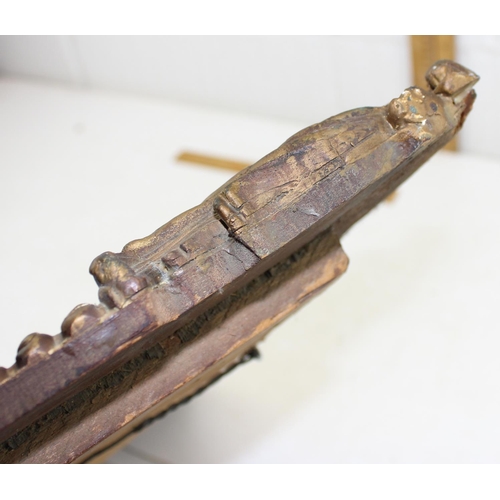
<point>327,175</point>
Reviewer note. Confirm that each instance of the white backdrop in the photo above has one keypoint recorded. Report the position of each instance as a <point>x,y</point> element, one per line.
<point>301,78</point>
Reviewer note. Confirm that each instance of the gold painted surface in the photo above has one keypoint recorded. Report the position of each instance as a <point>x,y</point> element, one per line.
<point>427,49</point>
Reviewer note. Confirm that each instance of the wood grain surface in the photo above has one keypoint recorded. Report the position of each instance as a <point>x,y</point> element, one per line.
<point>185,304</point>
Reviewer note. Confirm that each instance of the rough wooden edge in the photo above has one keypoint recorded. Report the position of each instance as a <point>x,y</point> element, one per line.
<point>141,305</point>
<point>131,396</point>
